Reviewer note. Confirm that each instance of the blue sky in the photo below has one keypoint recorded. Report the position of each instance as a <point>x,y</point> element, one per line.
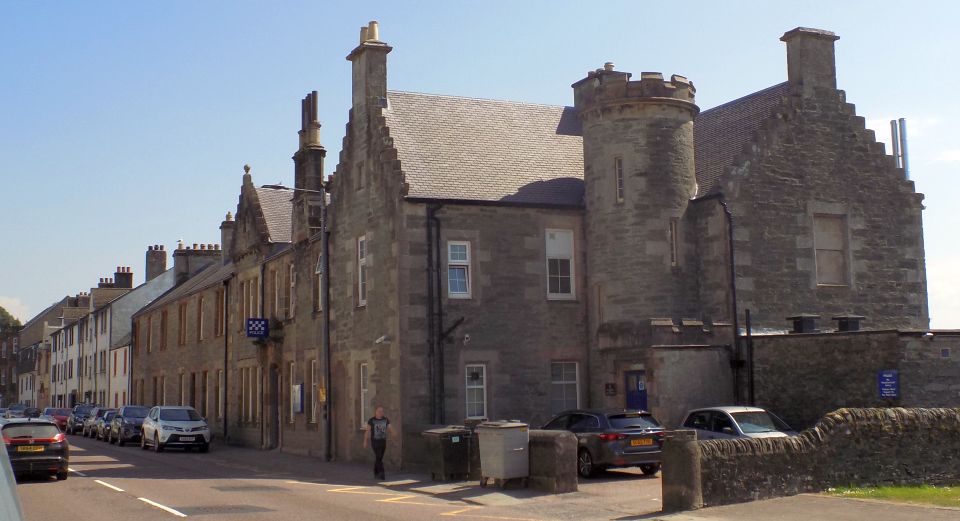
<point>124,124</point>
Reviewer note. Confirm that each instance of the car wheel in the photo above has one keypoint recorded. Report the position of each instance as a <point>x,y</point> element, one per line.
<point>651,469</point>
<point>62,475</point>
<point>585,465</point>
<point>143,442</point>
<point>119,439</point>
<point>156,443</point>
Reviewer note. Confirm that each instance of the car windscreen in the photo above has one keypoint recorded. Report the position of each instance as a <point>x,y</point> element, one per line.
<point>109,416</point>
<point>30,430</point>
<point>179,415</point>
<point>61,412</point>
<point>135,412</point>
<point>633,421</point>
<point>757,421</point>
<point>82,409</point>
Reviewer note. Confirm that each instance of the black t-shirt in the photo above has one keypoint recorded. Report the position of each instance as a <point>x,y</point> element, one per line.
<point>378,428</point>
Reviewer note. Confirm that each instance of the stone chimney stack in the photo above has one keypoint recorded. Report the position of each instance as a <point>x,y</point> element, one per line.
<point>811,62</point>
<point>123,278</point>
<point>369,70</point>
<point>226,236</point>
<point>188,261</point>
<point>308,173</point>
<point>156,261</point>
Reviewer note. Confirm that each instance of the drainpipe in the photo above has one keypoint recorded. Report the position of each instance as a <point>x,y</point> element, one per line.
<point>226,344</point>
<point>439,378</point>
<point>325,305</point>
<point>431,330</point>
<point>733,300</point>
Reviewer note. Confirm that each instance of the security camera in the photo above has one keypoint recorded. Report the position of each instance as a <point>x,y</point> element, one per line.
<point>466,338</point>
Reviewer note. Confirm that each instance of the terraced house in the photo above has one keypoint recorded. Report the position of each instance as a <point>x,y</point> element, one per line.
<point>474,258</point>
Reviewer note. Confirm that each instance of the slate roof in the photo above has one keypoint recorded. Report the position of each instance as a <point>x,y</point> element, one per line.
<point>485,150</point>
<point>719,134</point>
<point>209,276</point>
<point>277,205</point>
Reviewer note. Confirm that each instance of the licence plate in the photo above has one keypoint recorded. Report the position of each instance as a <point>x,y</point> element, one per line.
<point>30,448</point>
<point>641,442</point>
<point>186,438</point>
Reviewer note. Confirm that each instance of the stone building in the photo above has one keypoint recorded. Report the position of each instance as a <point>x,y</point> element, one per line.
<point>9,346</point>
<point>474,258</point>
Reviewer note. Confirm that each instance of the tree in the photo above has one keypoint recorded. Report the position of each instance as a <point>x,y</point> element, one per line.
<point>8,324</point>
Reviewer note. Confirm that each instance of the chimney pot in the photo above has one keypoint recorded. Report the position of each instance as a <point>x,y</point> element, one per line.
<point>373,31</point>
<point>363,34</point>
<point>194,245</point>
<point>608,66</point>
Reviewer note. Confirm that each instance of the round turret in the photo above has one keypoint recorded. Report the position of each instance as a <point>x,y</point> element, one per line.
<point>639,178</point>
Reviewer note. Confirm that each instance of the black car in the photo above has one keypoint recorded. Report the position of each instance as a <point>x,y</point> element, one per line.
<point>613,438</point>
<point>126,424</point>
<point>36,447</point>
<point>77,417</point>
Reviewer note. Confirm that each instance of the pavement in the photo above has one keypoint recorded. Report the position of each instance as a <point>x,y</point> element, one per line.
<point>807,507</point>
<point>232,483</point>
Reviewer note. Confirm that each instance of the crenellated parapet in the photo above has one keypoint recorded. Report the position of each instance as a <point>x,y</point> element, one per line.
<point>606,92</point>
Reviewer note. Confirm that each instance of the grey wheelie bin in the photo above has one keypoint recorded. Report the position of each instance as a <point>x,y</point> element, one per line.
<point>448,452</point>
<point>504,452</point>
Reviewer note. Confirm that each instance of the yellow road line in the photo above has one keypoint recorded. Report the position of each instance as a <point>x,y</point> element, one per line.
<point>402,500</point>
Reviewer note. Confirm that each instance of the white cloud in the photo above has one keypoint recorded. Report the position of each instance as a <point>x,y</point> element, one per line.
<point>943,287</point>
<point>15,307</point>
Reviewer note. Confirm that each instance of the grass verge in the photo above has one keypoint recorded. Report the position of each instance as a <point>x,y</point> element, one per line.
<point>918,494</point>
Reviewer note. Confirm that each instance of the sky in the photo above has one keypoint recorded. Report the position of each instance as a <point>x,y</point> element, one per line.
<point>126,124</point>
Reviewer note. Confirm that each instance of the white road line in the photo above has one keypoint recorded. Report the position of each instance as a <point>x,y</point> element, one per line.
<point>77,472</point>
<point>161,507</point>
<point>108,485</point>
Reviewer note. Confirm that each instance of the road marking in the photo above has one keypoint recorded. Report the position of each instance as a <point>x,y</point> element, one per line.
<point>461,513</point>
<point>162,507</point>
<point>402,501</point>
<point>108,485</point>
<point>77,472</point>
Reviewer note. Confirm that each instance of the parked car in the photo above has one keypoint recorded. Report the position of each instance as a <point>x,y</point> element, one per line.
<point>103,424</point>
<point>57,415</point>
<point>90,424</point>
<point>77,417</point>
<point>36,446</point>
<point>717,423</point>
<point>610,438</point>
<point>174,426</point>
<point>3,412</point>
<point>126,424</point>
<point>10,509</point>
<point>15,411</point>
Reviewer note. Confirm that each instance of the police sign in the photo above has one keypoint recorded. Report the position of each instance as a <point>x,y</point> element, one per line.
<point>258,328</point>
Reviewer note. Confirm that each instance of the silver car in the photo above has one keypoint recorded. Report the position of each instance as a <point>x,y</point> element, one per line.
<point>718,423</point>
<point>174,426</point>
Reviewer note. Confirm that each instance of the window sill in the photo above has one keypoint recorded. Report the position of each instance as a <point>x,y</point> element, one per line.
<point>562,298</point>
<point>459,296</point>
<point>833,285</point>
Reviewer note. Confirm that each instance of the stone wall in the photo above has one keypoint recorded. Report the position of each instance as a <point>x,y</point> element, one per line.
<point>856,447</point>
<point>801,377</point>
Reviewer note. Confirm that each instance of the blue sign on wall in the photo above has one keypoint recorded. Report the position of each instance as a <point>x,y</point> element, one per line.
<point>258,327</point>
<point>889,384</point>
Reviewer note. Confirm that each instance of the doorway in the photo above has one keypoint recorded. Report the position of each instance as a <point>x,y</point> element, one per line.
<point>636,389</point>
<point>273,409</point>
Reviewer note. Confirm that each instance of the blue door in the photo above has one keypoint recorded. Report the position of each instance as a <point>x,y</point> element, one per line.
<point>636,390</point>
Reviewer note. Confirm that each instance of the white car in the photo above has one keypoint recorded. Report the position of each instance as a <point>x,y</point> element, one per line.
<point>719,423</point>
<point>174,426</point>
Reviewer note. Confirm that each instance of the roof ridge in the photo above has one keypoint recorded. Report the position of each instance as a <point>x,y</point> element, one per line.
<point>471,98</point>
<point>741,98</point>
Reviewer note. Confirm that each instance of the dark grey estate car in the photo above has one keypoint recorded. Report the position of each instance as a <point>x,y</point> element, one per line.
<point>613,438</point>
<point>126,424</point>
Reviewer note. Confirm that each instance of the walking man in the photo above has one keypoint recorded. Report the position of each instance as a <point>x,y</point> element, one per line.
<point>375,435</point>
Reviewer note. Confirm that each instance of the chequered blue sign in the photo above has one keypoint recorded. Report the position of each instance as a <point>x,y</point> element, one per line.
<point>258,328</point>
